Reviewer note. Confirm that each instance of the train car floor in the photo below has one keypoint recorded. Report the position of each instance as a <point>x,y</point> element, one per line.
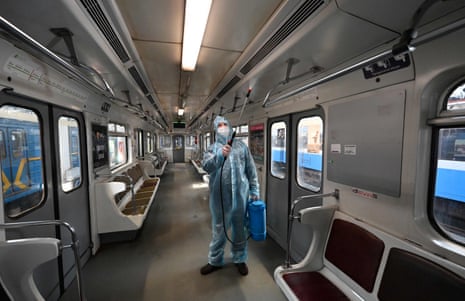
<point>164,261</point>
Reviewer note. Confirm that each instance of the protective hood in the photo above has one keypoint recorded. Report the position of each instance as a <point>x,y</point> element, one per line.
<point>219,137</point>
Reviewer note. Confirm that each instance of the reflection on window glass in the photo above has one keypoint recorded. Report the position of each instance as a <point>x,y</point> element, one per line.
<point>278,150</point>
<point>449,189</point>
<point>70,153</point>
<point>456,99</point>
<point>118,150</point>
<point>21,160</point>
<point>309,156</point>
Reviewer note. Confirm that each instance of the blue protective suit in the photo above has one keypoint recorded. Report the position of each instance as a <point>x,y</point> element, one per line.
<point>239,181</point>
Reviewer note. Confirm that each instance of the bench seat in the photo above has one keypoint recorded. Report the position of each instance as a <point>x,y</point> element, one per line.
<point>351,260</point>
<point>124,200</point>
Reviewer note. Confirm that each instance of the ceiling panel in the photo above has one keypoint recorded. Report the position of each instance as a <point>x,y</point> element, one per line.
<point>397,17</point>
<point>160,20</point>
<point>233,24</point>
<point>161,62</point>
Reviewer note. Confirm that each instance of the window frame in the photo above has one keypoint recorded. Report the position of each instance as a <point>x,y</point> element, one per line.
<point>115,130</point>
<point>446,119</point>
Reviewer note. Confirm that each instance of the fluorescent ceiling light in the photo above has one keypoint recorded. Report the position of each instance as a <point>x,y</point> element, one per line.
<point>180,111</point>
<point>195,22</point>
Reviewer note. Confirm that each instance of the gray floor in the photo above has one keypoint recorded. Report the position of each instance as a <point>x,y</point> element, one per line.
<point>163,263</point>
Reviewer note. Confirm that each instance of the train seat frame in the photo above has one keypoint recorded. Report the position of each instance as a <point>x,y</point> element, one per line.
<point>349,259</point>
<point>18,260</point>
<point>123,205</point>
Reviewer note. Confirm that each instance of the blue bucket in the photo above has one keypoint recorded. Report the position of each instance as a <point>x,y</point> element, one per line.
<point>257,220</point>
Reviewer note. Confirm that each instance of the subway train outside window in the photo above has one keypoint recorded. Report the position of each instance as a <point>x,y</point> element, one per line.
<point>448,198</point>
<point>310,153</point>
<point>70,153</point>
<point>117,144</point>
<point>278,150</point>
<point>21,160</point>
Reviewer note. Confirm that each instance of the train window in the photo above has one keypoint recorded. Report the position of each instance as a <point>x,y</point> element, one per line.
<point>449,188</point>
<point>456,100</point>
<point>448,200</point>
<point>140,142</point>
<point>242,133</point>
<point>309,156</point>
<point>70,153</point>
<point>117,144</point>
<point>191,141</point>
<point>278,150</point>
<point>207,140</point>
<point>149,143</point>
<point>21,160</point>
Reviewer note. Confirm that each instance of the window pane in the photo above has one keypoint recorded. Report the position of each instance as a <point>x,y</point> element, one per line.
<point>70,153</point>
<point>310,157</point>
<point>118,150</point>
<point>207,140</point>
<point>149,143</point>
<point>21,158</point>
<point>449,191</point>
<point>278,150</point>
<point>456,99</point>
<point>140,143</point>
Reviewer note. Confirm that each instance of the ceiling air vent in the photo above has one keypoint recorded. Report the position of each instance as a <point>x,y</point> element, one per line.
<point>136,76</point>
<point>299,16</point>
<point>150,98</point>
<point>228,86</point>
<point>152,101</point>
<point>96,12</point>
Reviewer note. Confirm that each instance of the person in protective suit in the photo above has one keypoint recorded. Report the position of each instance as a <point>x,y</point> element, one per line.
<point>238,182</point>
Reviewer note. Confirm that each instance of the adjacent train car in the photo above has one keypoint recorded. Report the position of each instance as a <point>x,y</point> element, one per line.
<point>353,111</point>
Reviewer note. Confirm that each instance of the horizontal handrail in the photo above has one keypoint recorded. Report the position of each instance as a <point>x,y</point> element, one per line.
<point>32,44</point>
<point>74,244</point>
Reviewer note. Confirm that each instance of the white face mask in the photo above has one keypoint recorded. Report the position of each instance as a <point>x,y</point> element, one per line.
<point>223,131</point>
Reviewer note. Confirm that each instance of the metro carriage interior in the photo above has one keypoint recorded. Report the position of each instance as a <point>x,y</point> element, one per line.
<point>353,112</point>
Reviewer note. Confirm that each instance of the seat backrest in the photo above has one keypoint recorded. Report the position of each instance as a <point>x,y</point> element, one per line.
<point>18,259</point>
<point>355,251</point>
<point>408,276</point>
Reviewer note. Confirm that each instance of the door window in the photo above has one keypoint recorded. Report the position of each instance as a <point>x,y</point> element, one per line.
<point>70,153</point>
<point>278,150</point>
<point>309,156</point>
<point>21,160</point>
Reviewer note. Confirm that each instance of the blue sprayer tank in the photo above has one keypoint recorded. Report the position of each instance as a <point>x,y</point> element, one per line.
<point>257,220</point>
